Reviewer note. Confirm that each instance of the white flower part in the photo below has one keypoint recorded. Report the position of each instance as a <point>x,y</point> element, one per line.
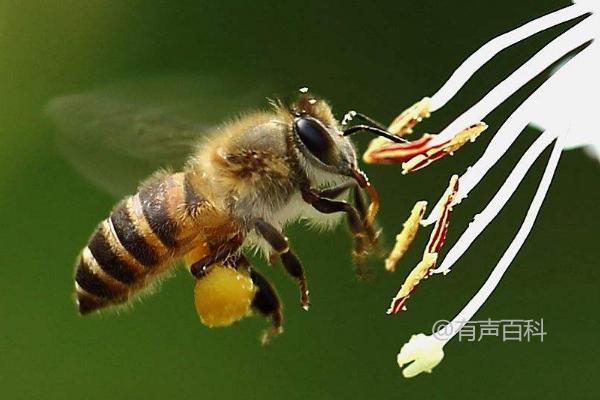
<point>493,208</point>
<point>423,352</point>
<point>563,107</point>
<point>496,45</point>
<point>552,52</point>
<point>592,5</point>
<point>426,351</point>
<point>573,91</point>
<point>571,95</point>
<point>490,284</point>
<point>565,96</point>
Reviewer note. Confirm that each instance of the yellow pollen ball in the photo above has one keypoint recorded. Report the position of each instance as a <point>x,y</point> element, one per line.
<point>223,296</point>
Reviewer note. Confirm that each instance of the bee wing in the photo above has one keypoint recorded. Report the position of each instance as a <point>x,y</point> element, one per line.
<point>122,133</point>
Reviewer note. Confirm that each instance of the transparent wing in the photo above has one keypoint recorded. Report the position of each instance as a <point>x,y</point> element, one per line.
<point>118,135</point>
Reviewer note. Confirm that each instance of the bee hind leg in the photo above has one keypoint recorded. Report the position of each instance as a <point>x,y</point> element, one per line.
<point>266,302</point>
<point>290,261</point>
<point>199,267</point>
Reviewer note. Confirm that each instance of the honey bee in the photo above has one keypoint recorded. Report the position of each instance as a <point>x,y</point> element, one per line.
<point>239,187</point>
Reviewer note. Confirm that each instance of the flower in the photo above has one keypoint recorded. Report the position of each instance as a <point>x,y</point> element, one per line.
<point>562,107</point>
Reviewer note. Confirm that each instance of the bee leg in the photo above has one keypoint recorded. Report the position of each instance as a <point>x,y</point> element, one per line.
<point>200,268</point>
<point>362,207</point>
<point>336,191</point>
<point>266,301</point>
<point>290,261</point>
<point>355,223</point>
<point>360,204</point>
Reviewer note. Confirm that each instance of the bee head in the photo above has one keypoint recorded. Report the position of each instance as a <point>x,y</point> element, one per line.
<point>326,146</point>
<point>319,138</point>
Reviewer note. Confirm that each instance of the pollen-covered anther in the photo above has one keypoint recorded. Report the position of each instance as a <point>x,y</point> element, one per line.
<point>420,272</point>
<point>430,255</point>
<point>405,238</point>
<point>440,230</point>
<point>435,152</point>
<point>467,135</point>
<point>419,153</point>
<point>404,122</point>
<point>395,153</point>
<point>400,126</point>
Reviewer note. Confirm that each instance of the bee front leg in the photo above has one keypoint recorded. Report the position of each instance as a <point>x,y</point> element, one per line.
<point>336,191</point>
<point>290,261</point>
<point>362,240</point>
<point>362,207</point>
<point>360,204</point>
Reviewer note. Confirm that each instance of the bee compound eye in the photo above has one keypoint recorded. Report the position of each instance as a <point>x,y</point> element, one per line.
<point>316,139</point>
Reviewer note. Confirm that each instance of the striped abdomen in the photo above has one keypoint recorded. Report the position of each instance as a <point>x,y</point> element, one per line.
<point>142,236</point>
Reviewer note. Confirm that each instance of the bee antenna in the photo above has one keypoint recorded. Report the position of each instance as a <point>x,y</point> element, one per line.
<point>374,130</point>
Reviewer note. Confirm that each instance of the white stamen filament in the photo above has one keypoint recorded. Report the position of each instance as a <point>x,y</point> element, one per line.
<point>490,284</point>
<point>568,41</point>
<point>552,52</point>
<point>493,208</point>
<point>495,46</point>
<point>422,352</point>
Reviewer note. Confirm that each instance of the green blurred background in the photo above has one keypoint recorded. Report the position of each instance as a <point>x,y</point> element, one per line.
<point>374,56</point>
